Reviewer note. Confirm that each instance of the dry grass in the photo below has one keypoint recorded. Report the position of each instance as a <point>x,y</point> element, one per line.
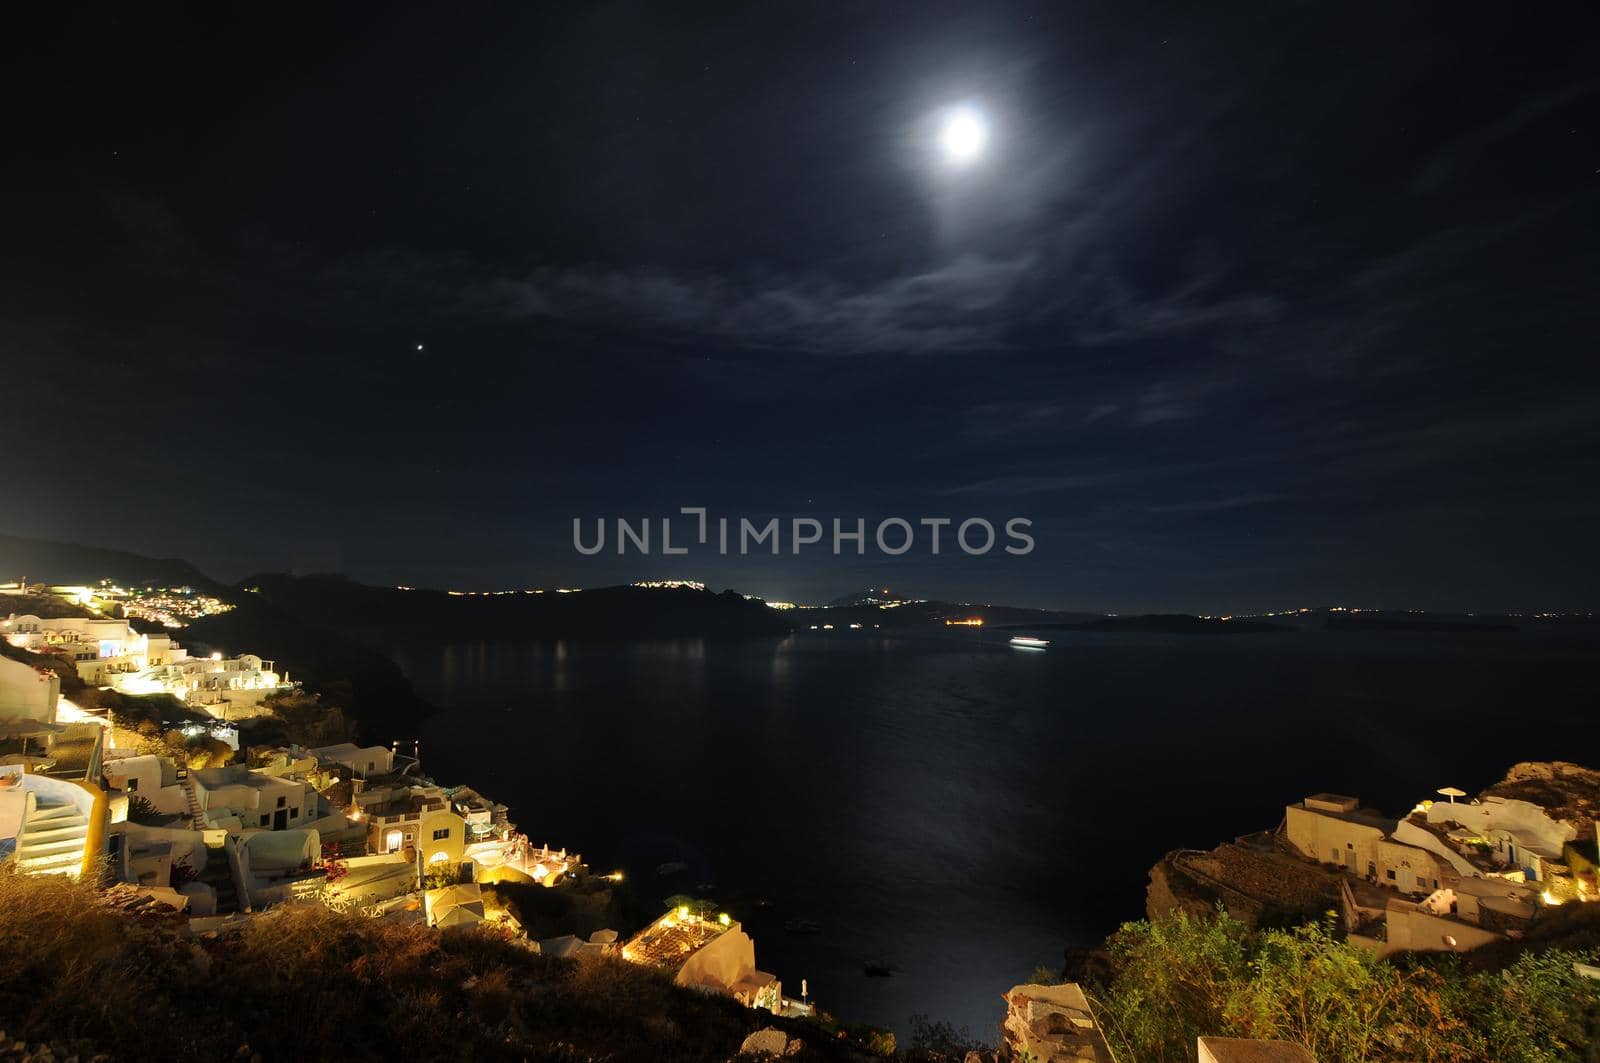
<point>307,983</point>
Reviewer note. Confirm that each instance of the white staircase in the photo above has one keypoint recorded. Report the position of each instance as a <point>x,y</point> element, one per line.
<point>52,840</point>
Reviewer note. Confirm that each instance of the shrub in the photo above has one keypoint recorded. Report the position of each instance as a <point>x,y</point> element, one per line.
<point>183,873</point>
<point>1184,977</point>
<point>303,982</point>
<point>141,811</point>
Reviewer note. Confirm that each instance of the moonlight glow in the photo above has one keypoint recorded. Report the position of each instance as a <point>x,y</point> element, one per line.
<point>964,135</point>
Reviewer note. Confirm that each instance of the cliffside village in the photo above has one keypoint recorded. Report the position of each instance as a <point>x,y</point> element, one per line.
<point>360,829</point>
<point>363,830</point>
<point>1450,875</point>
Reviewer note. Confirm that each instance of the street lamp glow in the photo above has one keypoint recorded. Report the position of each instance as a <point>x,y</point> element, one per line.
<point>964,135</point>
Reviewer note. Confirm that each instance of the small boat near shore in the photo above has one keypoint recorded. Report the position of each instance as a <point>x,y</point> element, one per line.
<point>1028,642</point>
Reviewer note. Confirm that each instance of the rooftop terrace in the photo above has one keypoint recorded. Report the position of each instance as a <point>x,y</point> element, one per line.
<point>670,941</point>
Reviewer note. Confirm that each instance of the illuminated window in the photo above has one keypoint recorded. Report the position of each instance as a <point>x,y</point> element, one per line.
<point>393,841</point>
<point>438,858</point>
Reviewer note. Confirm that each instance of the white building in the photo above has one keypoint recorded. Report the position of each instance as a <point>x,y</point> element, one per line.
<point>362,760</point>
<point>238,799</point>
<point>27,694</point>
<point>100,647</point>
<point>1519,834</point>
<point>54,826</point>
<point>712,955</point>
<point>227,687</point>
<point>153,778</point>
<point>1334,829</point>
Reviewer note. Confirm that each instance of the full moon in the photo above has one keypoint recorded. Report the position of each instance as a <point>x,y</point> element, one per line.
<point>964,135</point>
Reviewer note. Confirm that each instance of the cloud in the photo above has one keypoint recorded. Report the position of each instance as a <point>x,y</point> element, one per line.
<point>952,307</point>
<point>1469,149</point>
<point>1119,315</point>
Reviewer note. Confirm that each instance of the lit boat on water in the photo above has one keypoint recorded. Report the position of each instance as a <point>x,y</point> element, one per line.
<point>1028,642</point>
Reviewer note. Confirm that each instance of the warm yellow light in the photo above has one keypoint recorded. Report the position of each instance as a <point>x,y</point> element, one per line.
<point>683,911</point>
<point>1550,898</point>
<point>724,919</point>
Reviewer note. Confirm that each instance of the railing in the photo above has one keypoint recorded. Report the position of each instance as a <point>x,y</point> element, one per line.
<point>90,802</point>
<point>94,840</point>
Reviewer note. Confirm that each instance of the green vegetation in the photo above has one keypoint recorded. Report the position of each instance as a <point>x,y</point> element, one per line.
<point>193,751</point>
<point>140,712</point>
<point>142,812</point>
<point>699,907</point>
<point>298,717</point>
<point>576,906</point>
<point>1175,980</point>
<point>1043,975</point>
<point>939,1040</point>
<point>438,876</point>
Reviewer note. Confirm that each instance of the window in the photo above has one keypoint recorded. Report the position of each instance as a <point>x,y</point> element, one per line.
<point>133,786</point>
<point>439,857</point>
<point>294,813</point>
<point>1390,873</point>
<point>282,801</point>
<point>265,820</point>
<point>393,841</point>
<point>441,834</point>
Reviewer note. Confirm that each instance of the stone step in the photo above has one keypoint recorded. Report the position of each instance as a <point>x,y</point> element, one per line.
<point>69,846</point>
<point>65,863</point>
<point>61,844</point>
<point>36,827</point>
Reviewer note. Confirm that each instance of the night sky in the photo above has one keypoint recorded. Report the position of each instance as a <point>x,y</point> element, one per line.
<point>1275,307</point>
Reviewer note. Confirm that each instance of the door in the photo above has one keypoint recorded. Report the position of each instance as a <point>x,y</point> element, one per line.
<point>280,819</point>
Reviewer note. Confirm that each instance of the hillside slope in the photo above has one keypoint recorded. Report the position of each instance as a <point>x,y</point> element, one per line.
<point>308,983</point>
